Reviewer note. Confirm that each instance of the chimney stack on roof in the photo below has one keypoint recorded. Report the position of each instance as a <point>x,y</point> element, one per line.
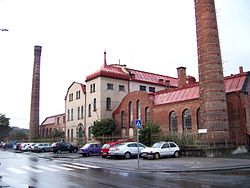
<point>241,70</point>
<point>182,77</point>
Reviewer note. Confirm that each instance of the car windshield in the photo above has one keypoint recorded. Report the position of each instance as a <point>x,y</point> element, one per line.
<point>157,145</point>
<point>86,146</point>
<point>106,146</point>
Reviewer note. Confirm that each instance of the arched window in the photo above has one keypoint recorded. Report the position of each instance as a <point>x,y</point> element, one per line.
<point>81,112</point>
<point>108,103</point>
<point>138,109</point>
<point>186,117</point>
<point>94,104</point>
<point>89,114</point>
<point>198,117</point>
<point>173,122</point>
<point>72,114</point>
<point>89,133</point>
<point>147,115</point>
<point>130,113</point>
<point>123,119</point>
<point>68,136</point>
<point>78,113</point>
<point>68,115</point>
<point>72,135</point>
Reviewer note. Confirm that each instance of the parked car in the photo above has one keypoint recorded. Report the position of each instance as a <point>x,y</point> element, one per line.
<point>17,146</point>
<point>90,149</point>
<point>24,146</point>
<point>42,147</point>
<point>58,147</point>
<point>161,149</point>
<point>106,147</point>
<point>31,146</point>
<point>126,150</point>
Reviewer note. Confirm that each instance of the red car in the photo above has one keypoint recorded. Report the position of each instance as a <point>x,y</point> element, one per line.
<point>105,148</point>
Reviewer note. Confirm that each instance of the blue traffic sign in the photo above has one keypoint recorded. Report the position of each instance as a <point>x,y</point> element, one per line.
<point>138,124</point>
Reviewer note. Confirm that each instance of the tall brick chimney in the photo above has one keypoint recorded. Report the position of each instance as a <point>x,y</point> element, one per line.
<point>213,105</point>
<point>182,77</point>
<point>35,95</point>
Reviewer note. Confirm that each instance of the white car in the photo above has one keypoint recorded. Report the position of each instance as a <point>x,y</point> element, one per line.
<point>161,149</point>
<point>126,150</point>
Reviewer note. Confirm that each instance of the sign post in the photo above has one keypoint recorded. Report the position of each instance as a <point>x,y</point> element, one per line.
<point>138,126</point>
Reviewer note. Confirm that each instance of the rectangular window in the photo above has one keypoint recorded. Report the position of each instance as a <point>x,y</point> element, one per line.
<point>110,86</point>
<point>78,113</point>
<point>152,89</point>
<point>92,88</point>
<point>72,114</point>
<point>78,94</point>
<point>71,97</point>
<point>121,88</point>
<point>142,88</point>
<point>68,115</point>
<point>58,120</point>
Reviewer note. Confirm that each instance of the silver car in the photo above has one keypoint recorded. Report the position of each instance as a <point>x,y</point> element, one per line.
<point>126,150</point>
<point>161,149</point>
<point>42,147</point>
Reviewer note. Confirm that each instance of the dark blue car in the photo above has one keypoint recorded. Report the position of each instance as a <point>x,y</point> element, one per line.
<point>90,149</point>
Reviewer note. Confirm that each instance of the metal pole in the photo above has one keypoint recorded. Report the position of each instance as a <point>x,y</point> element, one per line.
<point>138,154</point>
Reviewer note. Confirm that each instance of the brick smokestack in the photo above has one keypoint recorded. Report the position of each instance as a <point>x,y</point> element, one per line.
<point>213,111</point>
<point>182,77</point>
<point>35,95</point>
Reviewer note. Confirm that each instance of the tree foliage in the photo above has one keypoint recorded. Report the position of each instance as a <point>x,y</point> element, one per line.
<point>104,127</point>
<point>149,134</point>
<point>57,133</point>
<point>5,129</point>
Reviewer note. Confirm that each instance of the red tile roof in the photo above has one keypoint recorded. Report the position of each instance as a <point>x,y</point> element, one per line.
<point>232,84</point>
<point>141,76</point>
<point>121,72</point>
<point>109,71</point>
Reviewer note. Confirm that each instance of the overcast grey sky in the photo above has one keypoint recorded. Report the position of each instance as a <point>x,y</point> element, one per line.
<point>150,35</point>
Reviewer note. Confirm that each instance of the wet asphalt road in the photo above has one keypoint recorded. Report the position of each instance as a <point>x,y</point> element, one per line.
<point>45,170</point>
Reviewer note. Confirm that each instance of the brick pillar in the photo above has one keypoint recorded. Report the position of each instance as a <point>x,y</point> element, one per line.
<point>214,116</point>
<point>35,95</point>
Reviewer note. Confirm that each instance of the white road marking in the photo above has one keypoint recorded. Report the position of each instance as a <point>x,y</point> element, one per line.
<point>31,169</point>
<point>17,171</point>
<point>85,165</point>
<point>77,167</point>
<point>60,167</point>
<point>48,168</point>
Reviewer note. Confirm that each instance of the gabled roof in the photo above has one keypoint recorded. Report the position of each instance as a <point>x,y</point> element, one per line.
<point>233,83</point>
<point>147,77</point>
<point>110,71</point>
<point>83,86</point>
<point>51,119</point>
<point>121,72</point>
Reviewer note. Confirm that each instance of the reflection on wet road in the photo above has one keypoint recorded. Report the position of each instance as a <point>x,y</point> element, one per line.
<point>23,171</point>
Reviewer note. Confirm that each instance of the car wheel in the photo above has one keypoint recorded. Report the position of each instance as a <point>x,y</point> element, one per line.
<point>157,156</point>
<point>90,153</point>
<point>104,157</point>
<point>127,155</point>
<point>59,151</point>
<point>176,154</point>
<point>75,150</point>
<point>42,150</point>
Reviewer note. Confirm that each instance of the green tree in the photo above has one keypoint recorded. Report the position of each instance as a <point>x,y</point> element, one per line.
<point>19,134</point>
<point>104,127</point>
<point>57,133</point>
<point>5,129</point>
<point>149,134</point>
